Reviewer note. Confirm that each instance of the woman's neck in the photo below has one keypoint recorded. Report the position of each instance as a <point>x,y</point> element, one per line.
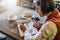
<point>48,14</point>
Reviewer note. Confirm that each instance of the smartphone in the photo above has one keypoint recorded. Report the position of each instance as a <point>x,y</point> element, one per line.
<point>35,19</point>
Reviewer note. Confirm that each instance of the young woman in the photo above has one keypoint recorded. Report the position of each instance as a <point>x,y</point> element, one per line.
<point>50,30</point>
<point>47,8</point>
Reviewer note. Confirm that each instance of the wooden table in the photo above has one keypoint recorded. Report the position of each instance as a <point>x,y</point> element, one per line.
<point>10,28</point>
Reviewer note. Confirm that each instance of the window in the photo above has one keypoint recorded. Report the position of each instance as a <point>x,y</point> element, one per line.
<point>9,3</point>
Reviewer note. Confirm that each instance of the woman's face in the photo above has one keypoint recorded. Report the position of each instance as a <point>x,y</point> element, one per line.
<point>39,10</point>
<point>42,16</point>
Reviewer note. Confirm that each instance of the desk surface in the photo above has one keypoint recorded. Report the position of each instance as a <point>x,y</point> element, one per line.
<point>9,28</point>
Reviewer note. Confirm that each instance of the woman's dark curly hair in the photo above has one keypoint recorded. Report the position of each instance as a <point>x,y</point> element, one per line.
<point>46,5</point>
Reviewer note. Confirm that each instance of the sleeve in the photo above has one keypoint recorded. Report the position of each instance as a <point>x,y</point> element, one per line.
<point>48,33</point>
<point>28,36</point>
<point>26,33</point>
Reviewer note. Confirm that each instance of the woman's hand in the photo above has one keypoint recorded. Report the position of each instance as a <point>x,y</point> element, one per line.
<point>37,24</point>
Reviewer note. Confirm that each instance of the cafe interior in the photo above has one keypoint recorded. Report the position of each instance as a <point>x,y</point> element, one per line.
<point>23,20</point>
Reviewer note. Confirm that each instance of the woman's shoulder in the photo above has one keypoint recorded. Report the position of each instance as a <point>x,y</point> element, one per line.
<point>54,12</point>
<point>52,26</point>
